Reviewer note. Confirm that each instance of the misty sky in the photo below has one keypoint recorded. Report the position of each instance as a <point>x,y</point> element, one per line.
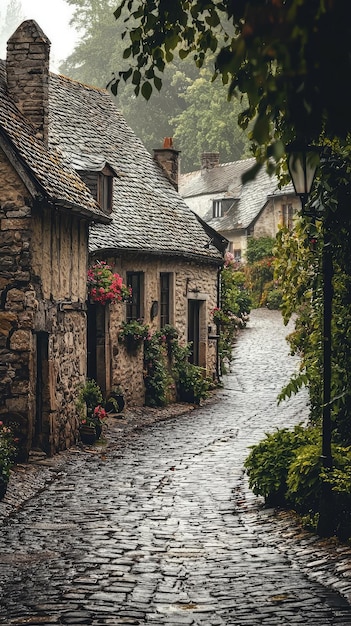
<point>53,17</point>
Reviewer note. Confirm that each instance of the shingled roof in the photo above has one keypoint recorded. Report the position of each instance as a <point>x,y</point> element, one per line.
<point>51,178</point>
<point>149,215</point>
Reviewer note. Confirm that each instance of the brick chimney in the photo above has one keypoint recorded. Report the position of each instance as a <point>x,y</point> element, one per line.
<point>209,160</point>
<point>27,66</point>
<point>168,158</point>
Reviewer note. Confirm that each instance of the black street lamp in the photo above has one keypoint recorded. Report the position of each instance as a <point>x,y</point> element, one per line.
<point>302,163</point>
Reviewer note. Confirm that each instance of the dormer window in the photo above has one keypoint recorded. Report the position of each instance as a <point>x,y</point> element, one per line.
<point>220,206</point>
<point>98,175</point>
<point>217,208</point>
<point>105,190</point>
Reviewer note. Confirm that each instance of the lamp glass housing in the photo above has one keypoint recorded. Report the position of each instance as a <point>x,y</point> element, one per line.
<point>302,166</point>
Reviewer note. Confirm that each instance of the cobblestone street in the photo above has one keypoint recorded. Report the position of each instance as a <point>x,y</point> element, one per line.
<point>159,526</point>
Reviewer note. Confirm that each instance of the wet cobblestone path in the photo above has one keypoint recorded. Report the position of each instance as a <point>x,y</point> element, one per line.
<point>164,529</point>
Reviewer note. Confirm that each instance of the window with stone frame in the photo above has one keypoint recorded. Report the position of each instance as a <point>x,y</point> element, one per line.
<point>288,215</point>
<point>135,307</point>
<point>165,298</point>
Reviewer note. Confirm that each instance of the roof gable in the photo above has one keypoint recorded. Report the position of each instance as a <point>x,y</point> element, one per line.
<point>149,215</point>
<point>44,171</point>
<point>226,179</point>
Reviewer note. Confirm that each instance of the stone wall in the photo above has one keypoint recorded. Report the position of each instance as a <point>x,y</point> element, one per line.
<point>190,281</point>
<point>43,262</point>
<point>268,222</point>
<point>17,299</point>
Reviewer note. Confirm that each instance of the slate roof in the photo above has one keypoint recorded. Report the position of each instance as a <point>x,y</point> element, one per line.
<point>223,178</point>
<point>149,215</point>
<point>52,178</point>
<point>248,199</point>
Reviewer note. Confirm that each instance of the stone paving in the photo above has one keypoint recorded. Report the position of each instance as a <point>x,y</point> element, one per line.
<point>158,525</point>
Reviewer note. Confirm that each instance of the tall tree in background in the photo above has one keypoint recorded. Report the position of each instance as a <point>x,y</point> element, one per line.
<point>9,22</point>
<point>290,57</point>
<point>208,122</point>
<point>169,112</point>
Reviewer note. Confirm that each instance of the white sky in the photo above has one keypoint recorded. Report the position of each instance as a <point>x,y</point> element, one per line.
<point>53,17</point>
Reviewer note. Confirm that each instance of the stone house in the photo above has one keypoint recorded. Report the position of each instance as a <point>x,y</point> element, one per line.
<point>162,250</point>
<point>45,212</point>
<point>238,211</point>
<point>69,162</point>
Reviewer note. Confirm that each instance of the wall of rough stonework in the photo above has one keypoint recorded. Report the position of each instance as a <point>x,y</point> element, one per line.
<point>271,218</point>
<point>191,281</point>
<point>67,369</point>
<point>43,261</point>
<point>17,302</point>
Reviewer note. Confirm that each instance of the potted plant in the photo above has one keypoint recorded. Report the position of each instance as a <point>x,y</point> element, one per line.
<point>115,402</point>
<point>106,286</point>
<point>90,412</point>
<point>132,334</point>
<point>7,456</point>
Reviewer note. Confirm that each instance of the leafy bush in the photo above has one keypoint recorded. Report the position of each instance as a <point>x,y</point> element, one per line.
<point>306,474</point>
<point>340,480</point>
<point>268,462</point>
<point>90,399</point>
<point>132,334</point>
<point>233,313</point>
<point>274,298</point>
<point>156,376</point>
<point>167,368</point>
<point>258,248</point>
<point>192,384</point>
<point>304,478</point>
<point>260,278</point>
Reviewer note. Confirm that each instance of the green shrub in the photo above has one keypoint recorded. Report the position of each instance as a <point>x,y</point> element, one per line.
<point>192,384</point>
<point>156,376</point>
<point>89,397</point>
<point>305,478</point>
<point>268,462</point>
<point>274,298</point>
<point>258,248</point>
<point>132,334</point>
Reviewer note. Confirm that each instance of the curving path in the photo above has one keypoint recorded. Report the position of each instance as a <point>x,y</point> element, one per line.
<point>164,530</point>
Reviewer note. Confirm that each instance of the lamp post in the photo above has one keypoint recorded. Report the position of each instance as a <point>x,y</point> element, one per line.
<point>302,163</point>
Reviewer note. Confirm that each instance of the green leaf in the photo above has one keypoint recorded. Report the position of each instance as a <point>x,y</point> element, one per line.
<point>183,53</point>
<point>146,90</point>
<point>158,83</point>
<point>136,77</point>
<point>260,132</point>
<point>251,173</point>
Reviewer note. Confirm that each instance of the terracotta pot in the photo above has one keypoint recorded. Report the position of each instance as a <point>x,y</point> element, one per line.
<point>87,434</point>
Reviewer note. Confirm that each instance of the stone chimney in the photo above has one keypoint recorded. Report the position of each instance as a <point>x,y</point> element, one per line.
<point>209,160</point>
<point>168,158</point>
<point>27,66</point>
